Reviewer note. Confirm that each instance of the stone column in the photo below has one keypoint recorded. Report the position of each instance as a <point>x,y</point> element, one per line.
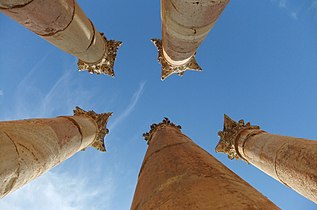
<point>185,24</point>
<point>178,174</point>
<point>29,148</point>
<point>292,161</point>
<point>65,25</point>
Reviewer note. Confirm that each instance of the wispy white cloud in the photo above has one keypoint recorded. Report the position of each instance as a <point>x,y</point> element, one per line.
<point>33,70</point>
<point>281,3</point>
<point>61,191</point>
<point>294,15</point>
<point>62,97</point>
<point>56,189</point>
<point>314,4</point>
<point>284,4</point>
<point>134,100</point>
<point>90,189</point>
<point>1,93</point>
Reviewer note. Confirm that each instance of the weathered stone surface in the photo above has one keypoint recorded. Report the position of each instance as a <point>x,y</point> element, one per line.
<point>40,145</point>
<point>65,25</point>
<point>44,17</point>
<point>178,174</point>
<point>292,161</point>
<point>29,148</point>
<point>185,24</point>
<point>7,4</point>
<point>77,36</point>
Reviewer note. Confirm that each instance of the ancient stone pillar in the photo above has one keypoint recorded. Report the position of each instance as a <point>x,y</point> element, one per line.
<point>64,24</point>
<point>185,24</point>
<point>28,148</point>
<point>178,174</point>
<point>292,161</point>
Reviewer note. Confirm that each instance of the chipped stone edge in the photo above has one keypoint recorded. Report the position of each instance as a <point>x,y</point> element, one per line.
<point>228,137</point>
<point>101,121</point>
<point>106,64</point>
<point>154,127</point>
<point>169,69</point>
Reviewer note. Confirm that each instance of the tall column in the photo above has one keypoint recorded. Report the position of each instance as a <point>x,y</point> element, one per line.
<point>29,148</point>
<point>178,174</point>
<point>292,161</point>
<point>64,24</point>
<point>185,24</point>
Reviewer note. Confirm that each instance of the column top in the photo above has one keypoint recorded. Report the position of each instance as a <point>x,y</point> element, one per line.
<point>154,127</point>
<point>106,64</point>
<point>229,134</point>
<point>168,69</point>
<point>101,120</point>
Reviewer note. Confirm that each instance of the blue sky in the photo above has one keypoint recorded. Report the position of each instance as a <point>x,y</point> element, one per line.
<point>259,63</point>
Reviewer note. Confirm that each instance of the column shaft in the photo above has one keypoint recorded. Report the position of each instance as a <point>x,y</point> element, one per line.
<point>177,174</point>
<point>64,24</point>
<point>292,161</point>
<point>29,148</point>
<point>185,24</point>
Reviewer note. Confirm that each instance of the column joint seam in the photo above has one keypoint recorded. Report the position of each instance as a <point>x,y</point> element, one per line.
<point>251,134</point>
<point>17,6</point>
<point>275,165</point>
<point>77,126</point>
<point>73,15</point>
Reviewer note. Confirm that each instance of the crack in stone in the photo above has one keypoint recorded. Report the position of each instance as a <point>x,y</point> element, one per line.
<point>63,29</point>
<point>13,180</point>
<point>275,160</point>
<point>17,6</point>
<point>21,145</point>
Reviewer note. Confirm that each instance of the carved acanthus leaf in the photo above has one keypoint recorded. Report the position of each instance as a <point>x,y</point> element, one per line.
<point>101,121</point>
<point>228,137</point>
<point>166,122</point>
<point>169,69</point>
<point>106,64</point>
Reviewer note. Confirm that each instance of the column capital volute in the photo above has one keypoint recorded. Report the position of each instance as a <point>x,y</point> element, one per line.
<point>229,135</point>
<point>101,122</point>
<point>154,127</point>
